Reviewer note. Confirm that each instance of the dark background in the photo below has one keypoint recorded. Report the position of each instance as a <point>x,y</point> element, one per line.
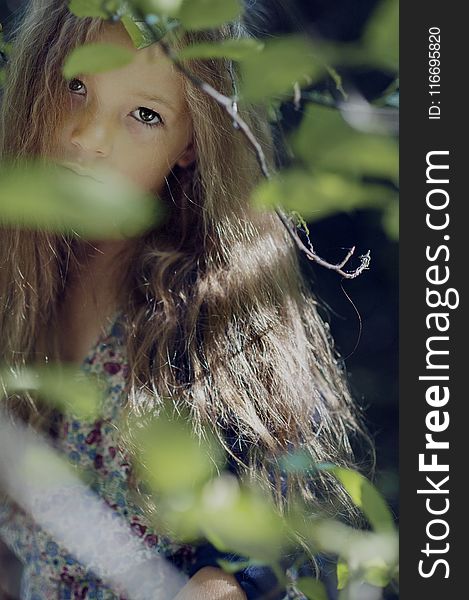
<point>363,312</point>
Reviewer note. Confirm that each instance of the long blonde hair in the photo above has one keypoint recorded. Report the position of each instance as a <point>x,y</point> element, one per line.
<point>218,314</point>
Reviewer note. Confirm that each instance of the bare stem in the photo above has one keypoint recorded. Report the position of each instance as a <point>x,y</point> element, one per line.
<point>230,106</point>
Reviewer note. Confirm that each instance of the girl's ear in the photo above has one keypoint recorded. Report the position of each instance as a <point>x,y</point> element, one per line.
<point>187,157</point>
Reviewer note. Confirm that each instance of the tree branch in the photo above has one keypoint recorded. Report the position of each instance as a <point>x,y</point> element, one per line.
<point>230,106</point>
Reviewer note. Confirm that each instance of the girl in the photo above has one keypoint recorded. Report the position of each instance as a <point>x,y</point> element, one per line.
<point>210,306</point>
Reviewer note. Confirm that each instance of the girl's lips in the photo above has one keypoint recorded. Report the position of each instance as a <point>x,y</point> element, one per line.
<point>78,170</point>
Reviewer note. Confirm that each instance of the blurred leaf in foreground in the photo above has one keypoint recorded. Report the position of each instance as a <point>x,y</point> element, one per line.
<point>96,58</point>
<point>318,195</point>
<point>63,387</point>
<point>357,547</point>
<point>204,14</point>
<point>366,497</point>
<point>234,567</point>
<point>274,70</point>
<point>391,220</point>
<point>160,7</point>
<point>194,503</point>
<point>241,519</point>
<point>234,49</point>
<point>87,8</point>
<point>59,200</point>
<point>381,37</point>
<point>139,33</point>
<point>363,493</point>
<point>342,574</point>
<point>312,588</point>
<point>175,459</point>
<point>326,142</point>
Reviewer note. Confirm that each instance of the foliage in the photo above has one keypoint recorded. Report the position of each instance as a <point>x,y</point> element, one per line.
<point>203,14</point>
<point>62,387</point>
<point>95,58</point>
<point>47,196</point>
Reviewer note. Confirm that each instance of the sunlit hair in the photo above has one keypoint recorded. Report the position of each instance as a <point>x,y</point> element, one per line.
<point>218,314</point>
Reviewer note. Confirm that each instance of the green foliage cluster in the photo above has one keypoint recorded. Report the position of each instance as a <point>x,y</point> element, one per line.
<point>47,196</point>
<point>336,168</point>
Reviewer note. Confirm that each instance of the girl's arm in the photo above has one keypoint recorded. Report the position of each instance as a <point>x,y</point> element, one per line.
<point>211,583</point>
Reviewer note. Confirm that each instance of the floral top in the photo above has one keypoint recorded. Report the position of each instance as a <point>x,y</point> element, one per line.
<point>50,571</point>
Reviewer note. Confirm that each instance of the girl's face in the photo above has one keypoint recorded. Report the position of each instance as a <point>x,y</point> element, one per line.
<point>133,119</point>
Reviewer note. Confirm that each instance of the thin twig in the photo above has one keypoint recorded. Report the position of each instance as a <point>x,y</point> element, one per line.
<point>230,106</point>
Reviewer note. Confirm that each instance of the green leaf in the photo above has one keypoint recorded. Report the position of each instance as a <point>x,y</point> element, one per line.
<point>175,459</point>
<point>205,14</point>
<point>311,588</point>
<point>381,37</point>
<point>160,7</point>
<point>87,8</point>
<point>66,388</point>
<point>234,567</point>
<point>232,518</point>
<point>378,573</point>
<point>374,571</point>
<point>364,154</point>
<point>326,142</point>
<point>178,514</point>
<point>355,546</point>
<point>391,220</point>
<point>55,199</point>
<point>342,574</point>
<point>241,520</point>
<point>318,195</point>
<point>96,58</point>
<point>142,33</point>
<point>139,32</point>
<point>366,497</point>
<point>282,62</point>
<point>233,49</point>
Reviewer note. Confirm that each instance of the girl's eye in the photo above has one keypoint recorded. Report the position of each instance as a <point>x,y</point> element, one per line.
<point>147,116</point>
<point>72,86</point>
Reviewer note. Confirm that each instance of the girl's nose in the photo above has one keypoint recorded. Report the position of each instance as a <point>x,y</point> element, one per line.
<point>92,134</point>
